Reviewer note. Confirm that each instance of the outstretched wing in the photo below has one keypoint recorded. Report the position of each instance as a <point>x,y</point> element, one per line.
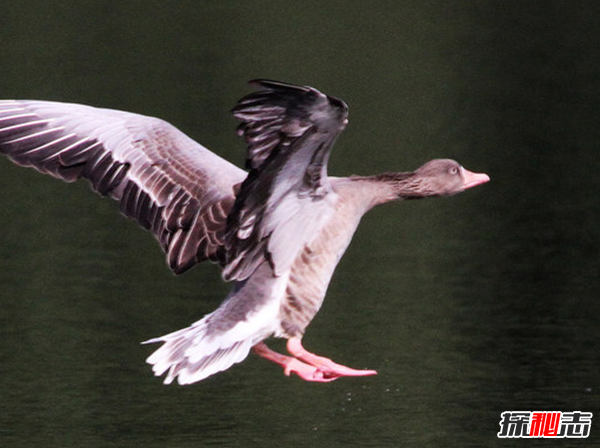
<point>289,131</point>
<point>170,184</point>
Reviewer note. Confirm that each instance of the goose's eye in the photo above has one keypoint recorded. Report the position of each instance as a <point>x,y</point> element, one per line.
<point>453,170</point>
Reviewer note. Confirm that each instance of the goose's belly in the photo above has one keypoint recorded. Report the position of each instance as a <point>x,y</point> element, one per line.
<point>311,273</point>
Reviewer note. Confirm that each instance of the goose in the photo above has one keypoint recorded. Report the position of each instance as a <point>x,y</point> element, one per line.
<point>277,230</point>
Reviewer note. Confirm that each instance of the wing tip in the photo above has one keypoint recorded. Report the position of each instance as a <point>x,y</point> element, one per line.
<point>271,84</point>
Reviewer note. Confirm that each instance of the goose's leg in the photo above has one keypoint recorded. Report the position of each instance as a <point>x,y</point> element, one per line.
<point>329,369</point>
<point>292,365</point>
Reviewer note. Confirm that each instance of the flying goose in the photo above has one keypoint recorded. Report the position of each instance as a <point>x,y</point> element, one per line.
<point>278,230</point>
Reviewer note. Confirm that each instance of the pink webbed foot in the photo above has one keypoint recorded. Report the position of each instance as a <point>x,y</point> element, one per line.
<point>291,365</point>
<point>306,371</point>
<point>329,369</point>
<point>306,365</point>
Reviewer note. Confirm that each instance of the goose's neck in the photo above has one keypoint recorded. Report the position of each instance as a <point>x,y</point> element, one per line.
<point>388,187</point>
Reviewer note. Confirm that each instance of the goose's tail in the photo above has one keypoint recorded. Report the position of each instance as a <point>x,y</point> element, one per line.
<point>194,353</point>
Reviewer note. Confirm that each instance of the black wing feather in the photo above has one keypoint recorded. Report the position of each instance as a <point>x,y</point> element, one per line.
<point>289,131</point>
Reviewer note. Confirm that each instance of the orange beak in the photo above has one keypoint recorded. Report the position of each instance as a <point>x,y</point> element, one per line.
<point>473,179</point>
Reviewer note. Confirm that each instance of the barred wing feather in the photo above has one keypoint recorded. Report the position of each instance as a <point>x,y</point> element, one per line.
<point>170,184</point>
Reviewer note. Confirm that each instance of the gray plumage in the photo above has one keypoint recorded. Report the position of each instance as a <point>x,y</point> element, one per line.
<point>278,230</point>
<point>170,184</point>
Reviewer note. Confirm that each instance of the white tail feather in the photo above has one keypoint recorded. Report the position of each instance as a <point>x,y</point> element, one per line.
<point>249,315</point>
<point>190,355</point>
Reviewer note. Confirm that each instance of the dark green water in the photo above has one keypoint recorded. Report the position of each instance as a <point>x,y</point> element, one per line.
<point>468,306</point>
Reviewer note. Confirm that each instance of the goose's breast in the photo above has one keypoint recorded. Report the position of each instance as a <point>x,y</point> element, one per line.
<point>312,270</point>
